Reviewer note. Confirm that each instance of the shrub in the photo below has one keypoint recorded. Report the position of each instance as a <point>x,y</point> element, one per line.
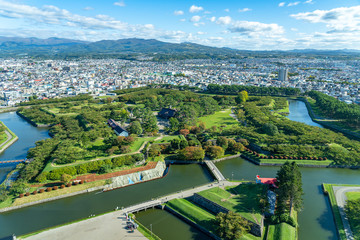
<point>76,183</point>
<point>82,182</point>
<point>55,188</point>
<point>68,185</point>
<point>21,195</point>
<point>48,189</point>
<point>41,190</point>
<point>62,186</point>
<point>34,192</point>
<point>27,194</point>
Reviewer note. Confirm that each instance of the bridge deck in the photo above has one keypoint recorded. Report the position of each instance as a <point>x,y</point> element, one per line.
<point>217,174</point>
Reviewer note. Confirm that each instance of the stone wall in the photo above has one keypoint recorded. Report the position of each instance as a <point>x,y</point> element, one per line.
<point>137,177</point>
<point>256,228</point>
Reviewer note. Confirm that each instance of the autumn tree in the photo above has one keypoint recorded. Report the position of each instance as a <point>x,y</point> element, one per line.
<point>192,153</point>
<point>242,97</point>
<point>215,152</point>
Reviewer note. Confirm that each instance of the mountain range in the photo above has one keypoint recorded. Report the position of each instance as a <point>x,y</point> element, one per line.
<point>60,47</point>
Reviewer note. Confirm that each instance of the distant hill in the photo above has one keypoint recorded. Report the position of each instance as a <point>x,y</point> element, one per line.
<point>133,48</point>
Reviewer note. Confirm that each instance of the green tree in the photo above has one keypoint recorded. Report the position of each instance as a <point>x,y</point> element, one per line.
<point>270,129</point>
<point>66,178</point>
<point>242,97</point>
<point>3,193</point>
<point>289,187</point>
<point>231,226</point>
<point>215,152</point>
<point>234,147</point>
<point>174,124</point>
<point>135,128</point>
<point>18,187</point>
<point>222,142</point>
<point>192,153</point>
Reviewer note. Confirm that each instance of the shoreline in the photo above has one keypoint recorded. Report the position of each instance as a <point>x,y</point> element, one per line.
<point>32,122</point>
<point>8,141</point>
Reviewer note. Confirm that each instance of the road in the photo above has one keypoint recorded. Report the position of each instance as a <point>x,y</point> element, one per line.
<point>340,196</point>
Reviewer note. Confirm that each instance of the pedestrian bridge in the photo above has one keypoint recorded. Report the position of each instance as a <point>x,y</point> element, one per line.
<point>214,170</point>
<point>4,163</point>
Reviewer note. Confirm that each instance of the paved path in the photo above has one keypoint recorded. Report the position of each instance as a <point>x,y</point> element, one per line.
<point>10,140</point>
<point>340,195</point>
<point>218,175</point>
<point>111,226</point>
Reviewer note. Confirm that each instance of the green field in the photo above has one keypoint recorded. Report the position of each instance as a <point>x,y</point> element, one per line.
<point>242,199</point>
<point>136,145</point>
<point>281,231</point>
<point>352,195</point>
<point>166,139</point>
<point>218,119</point>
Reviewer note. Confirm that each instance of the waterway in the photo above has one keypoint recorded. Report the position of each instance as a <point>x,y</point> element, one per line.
<point>61,211</point>
<point>299,113</point>
<point>27,135</point>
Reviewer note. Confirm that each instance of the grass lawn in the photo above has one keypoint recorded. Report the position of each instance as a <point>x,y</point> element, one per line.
<point>55,193</point>
<point>281,231</point>
<point>242,199</point>
<point>135,146</point>
<point>335,210</point>
<point>166,139</point>
<point>352,195</point>
<point>221,118</point>
<point>193,212</point>
<point>299,162</point>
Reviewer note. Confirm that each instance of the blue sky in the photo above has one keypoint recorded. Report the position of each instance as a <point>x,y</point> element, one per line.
<point>240,24</point>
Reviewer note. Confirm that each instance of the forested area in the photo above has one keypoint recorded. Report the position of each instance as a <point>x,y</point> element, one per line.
<point>282,137</point>
<point>56,100</point>
<point>336,109</point>
<point>252,90</point>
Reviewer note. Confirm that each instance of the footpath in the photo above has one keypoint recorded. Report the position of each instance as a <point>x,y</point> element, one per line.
<point>9,141</point>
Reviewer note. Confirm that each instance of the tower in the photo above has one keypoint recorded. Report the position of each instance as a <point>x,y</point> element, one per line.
<point>283,75</point>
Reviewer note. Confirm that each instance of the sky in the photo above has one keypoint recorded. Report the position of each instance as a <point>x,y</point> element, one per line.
<point>239,24</point>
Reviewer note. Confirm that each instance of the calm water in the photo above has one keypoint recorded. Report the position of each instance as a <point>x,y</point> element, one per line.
<point>167,226</point>
<point>299,113</point>
<point>53,213</point>
<point>27,134</point>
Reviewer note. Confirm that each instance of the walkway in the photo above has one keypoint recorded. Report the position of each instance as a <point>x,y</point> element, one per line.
<point>340,195</point>
<point>107,226</point>
<point>215,171</point>
<point>10,140</point>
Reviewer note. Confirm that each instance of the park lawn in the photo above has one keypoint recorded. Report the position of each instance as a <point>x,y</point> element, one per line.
<point>193,212</point>
<point>166,139</point>
<point>136,145</point>
<point>298,162</point>
<point>242,199</point>
<point>55,193</point>
<point>281,231</point>
<point>218,119</point>
<point>352,195</point>
<point>335,210</point>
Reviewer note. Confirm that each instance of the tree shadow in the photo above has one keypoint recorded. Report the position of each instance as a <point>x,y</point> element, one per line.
<point>327,221</point>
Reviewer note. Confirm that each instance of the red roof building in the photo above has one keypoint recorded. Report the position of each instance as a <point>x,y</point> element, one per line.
<point>267,181</point>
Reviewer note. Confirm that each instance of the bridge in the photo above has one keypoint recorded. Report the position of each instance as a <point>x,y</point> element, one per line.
<point>4,162</point>
<point>214,170</point>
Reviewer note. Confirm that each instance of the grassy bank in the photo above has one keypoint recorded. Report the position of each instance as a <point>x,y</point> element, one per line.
<point>281,231</point>
<point>16,201</point>
<point>243,199</point>
<point>335,210</point>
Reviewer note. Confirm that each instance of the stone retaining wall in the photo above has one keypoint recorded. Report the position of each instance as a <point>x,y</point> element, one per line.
<point>32,122</point>
<point>215,208</point>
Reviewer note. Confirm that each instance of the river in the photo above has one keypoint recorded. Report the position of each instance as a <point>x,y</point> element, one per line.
<point>316,221</point>
<point>27,134</point>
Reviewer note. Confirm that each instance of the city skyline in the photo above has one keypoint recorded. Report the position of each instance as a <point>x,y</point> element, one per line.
<point>248,25</point>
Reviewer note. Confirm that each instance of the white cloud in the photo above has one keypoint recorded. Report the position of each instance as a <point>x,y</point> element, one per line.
<point>178,12</point>
<point>343,19</point>
<point>255,29</point>
<point>88,8</point>
<point>182,20</point>
<point>244,10</point>
<point>224,20</point>
<point>309,2</point>
<point>294,29</point>
<point>194,9</point>
<point>201,33</point>
<point>195,18</point>
<point>281,4</point>
<point>293,4</point>
<point>213,19</point>
<point>120,3</point>
<point>198,24</point>
<point>227,10</point>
